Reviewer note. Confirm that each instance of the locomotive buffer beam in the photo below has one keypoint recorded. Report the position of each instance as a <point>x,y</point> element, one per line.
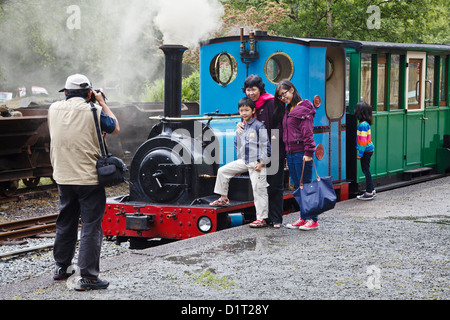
<point>138,221</point>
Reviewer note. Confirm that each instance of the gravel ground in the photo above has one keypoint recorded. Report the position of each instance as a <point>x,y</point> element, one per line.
<point>14,269</point>
<point>394,247</point>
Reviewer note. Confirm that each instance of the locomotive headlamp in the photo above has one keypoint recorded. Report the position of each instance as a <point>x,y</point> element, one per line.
<point>204,224</point>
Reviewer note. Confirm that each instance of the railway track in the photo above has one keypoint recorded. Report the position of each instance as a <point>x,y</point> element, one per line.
<point>29,193</point>
<point>27,228</point>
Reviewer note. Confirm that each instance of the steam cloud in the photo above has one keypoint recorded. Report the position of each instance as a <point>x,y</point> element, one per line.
<point>186,22</point>
<point>122,35</point>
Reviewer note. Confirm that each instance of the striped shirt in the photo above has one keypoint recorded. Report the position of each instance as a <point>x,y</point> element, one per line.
<point>364,139</point>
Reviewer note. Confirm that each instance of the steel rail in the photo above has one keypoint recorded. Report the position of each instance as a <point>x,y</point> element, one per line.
<point>28,227</point>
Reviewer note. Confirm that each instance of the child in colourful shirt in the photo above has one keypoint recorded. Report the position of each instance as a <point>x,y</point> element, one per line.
<point>365,147</point>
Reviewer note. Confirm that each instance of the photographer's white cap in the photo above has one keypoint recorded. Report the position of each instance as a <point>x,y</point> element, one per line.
<point>77,82</point>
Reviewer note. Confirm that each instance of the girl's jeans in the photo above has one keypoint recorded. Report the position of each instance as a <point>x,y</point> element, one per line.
<point>295,165</point>
<point>365,166</point>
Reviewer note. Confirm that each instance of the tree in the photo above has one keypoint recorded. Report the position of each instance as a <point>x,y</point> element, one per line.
<point>400,20</point>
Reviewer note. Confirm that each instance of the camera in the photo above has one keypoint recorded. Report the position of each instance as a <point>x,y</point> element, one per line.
<point>93,100</point>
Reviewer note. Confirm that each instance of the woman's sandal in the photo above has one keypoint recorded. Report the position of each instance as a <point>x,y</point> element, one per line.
<point>258,224</point>
<point>220,203</point>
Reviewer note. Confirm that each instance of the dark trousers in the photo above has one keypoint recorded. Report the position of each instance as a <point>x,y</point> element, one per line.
<point>275,193</point>
<point>87,202</point>
<point>365,167</point>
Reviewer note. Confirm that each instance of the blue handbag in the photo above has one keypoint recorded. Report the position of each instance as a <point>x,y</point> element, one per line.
<point>316,197</point>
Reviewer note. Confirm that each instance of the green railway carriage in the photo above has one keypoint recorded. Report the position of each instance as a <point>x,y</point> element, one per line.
<point>408,87</point>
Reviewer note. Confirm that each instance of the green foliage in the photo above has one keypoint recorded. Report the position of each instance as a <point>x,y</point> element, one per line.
<point>209,279</point>
<point>424,21</point>
<point>154,92</point>
<point>191,88</point>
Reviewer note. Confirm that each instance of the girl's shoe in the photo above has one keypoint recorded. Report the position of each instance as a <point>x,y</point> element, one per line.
<point>366,196</point>
<point>296,224</point>
<point>310,225</point>
<point>220,203</point>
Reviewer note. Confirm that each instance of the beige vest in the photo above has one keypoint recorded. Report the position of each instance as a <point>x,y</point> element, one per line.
<point>74,147</point>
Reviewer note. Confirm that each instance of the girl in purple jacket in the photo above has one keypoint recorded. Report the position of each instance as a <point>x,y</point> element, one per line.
<point>298,137</point>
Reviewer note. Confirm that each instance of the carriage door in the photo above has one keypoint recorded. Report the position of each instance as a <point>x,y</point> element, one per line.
<point>335,110</point>
<point>415,116</point>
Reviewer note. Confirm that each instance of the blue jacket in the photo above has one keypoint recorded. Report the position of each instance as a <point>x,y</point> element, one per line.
<point>253,143</point>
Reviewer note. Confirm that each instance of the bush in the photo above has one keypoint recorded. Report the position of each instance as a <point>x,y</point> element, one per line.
<point>154,92</point>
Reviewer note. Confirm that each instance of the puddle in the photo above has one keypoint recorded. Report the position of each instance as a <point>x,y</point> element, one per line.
<point>187,260</point>
<point>239,246</point>
<point>233,247</point>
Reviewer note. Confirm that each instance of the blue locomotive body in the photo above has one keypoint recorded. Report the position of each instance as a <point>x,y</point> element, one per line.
<point>306,62</point>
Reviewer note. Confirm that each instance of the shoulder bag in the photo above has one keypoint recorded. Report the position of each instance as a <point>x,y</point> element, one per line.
<point>316,197</point>
<point>110,170</point>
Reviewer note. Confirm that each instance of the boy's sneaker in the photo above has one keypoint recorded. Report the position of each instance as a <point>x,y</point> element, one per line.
<point>61,273</point>
<point>296,224</point>
<point>310,225</point>
<point>84,284</point>
<point>366,196</point>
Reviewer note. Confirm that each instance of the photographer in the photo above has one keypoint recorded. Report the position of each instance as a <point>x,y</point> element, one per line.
<point>74,151</point>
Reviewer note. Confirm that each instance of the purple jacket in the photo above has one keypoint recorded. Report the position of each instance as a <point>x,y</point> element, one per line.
<point>298,125</point>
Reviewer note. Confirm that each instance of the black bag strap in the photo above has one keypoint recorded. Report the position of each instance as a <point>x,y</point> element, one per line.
<point>99,135</point>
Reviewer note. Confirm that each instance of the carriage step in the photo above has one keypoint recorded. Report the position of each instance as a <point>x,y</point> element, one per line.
<point>414,173</point>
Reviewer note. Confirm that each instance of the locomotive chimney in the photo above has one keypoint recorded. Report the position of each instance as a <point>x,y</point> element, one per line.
<point>173,77</point>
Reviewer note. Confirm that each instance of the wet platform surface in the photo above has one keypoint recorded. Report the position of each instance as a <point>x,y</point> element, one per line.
<point>392,248</point>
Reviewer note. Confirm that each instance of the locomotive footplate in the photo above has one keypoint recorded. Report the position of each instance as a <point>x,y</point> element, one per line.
<point>125,219</point>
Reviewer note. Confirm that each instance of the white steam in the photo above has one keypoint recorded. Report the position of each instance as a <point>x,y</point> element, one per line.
<point>187,21</point>
<point>114,42</point>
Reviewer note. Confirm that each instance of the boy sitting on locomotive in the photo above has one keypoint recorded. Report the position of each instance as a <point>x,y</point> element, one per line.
<point>253,152</point>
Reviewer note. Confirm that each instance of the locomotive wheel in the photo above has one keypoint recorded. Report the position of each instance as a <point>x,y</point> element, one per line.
<point>32,182</point>
<point>9,188</point>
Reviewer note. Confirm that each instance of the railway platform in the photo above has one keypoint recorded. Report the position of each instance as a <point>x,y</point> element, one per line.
<point>394,247</point>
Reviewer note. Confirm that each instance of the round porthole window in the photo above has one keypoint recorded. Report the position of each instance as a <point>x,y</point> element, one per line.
<point>223,68</point>
<point>279,66</point>
<point>329,68</point>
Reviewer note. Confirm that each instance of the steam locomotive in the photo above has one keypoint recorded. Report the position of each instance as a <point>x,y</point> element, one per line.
<point>172,174</point>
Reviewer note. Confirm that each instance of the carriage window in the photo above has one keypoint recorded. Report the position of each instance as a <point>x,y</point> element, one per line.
<point>223,68</point>
<point>443,81</point>
<point>366,77</point>
<point>381,83</point>
<point>279,66</point>
<point>414,83</point>
<point>335,83</point>
<point>429,82</point>
<point>395,83</point>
